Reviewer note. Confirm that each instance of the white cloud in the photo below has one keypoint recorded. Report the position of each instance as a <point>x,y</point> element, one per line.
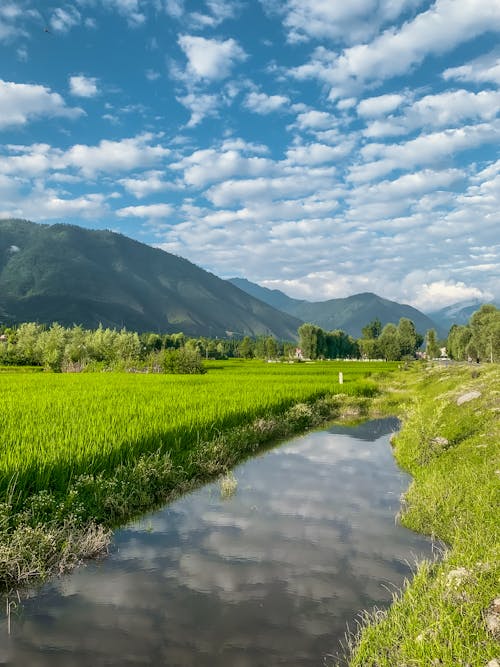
<point>174,8</point>
<point>200,106</point>
<point>212,165</point>
<point>148,183</point>
<point>485,69</point>
<point>441,293</point>
<point>22,102</point>
<point>299,184</point>
<point>344,21</point>
<point>436,31</point>
<point>448,109</point>
<point>313,154</point>
<point>263,104</point>
<point>115,156</point>
<point>83,86</point>
<point>62,20</point>
<point>106,157</point>
<point>129,9</point>
<point>210,59</point>
<point>151,211</point>
<point>379,106</point>
<point>425,149</point>
<point>315,120</point>
<point>10,15</point>
<point>49,205</point>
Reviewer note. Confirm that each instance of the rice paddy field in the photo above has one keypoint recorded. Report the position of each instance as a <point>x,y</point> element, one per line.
<point>55,427</point>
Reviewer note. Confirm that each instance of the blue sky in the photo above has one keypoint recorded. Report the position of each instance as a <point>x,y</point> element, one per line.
<point>321,147</point>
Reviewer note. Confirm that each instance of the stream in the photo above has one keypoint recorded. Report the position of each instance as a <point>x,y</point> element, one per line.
<point>271,575</point>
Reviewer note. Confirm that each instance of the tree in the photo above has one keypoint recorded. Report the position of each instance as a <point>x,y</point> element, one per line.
<point>485,333</point>
<point>458,341</point>
<point>408,339</point>
<point>52,344</point>
<point>372,330</point>
<point>310,340</point>
<point>431,344</point>
<point>27,349</point>
<point>245,348</point>
<point>271,348</point>
<point>389,343</point>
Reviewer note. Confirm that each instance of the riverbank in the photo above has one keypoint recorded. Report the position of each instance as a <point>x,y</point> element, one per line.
<point>449,614</point>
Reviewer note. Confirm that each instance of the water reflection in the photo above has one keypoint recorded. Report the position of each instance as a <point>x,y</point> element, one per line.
<point>268,577</point>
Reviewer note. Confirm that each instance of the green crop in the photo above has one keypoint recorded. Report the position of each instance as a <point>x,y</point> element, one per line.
<point>54,427</point>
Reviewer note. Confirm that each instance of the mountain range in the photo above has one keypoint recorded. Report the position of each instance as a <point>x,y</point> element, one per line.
<point>73,275</point>
<point>350,314</point>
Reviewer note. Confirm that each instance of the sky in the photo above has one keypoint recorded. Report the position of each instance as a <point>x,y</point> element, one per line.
<point>320,147</point>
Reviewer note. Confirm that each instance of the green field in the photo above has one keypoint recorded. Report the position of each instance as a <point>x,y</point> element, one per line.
<point>54,427</point>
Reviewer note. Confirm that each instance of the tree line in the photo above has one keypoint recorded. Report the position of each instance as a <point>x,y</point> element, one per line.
<point>74,348</point>
<point>391,342</point>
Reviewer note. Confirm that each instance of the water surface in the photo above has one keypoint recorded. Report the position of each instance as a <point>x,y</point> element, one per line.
<point>270,576</point>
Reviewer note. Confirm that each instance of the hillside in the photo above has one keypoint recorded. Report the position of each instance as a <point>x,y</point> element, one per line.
<point>350,314</point>
<point>73,275</point>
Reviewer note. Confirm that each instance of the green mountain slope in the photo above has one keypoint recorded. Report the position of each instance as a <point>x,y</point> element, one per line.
<point>350,314</point>
<point>72,275</point>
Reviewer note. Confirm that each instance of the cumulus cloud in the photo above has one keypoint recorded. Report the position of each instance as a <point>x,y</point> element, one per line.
<point>436,31</point>
<point>147,184</point>
<point>379,106</point>
<point>83,86</point>
<point>115,156</point>
<point>105,157</point>
<point>441,293</point>
<point>23,102</point>
<point>47,204</point>
<point>448,109</point>
<point>313,154</point>
<point>151,211</point>
<point>343,21</point>
<point>63,19</point>
<point>263,104</point>
<point>315,120</point>
<point>210,59</point>
<point>200,106</point>
<point>485,69</point>
<point>299,184</point>
<point>426,149</point>
<point>217,164</point>
<point>10,18</point>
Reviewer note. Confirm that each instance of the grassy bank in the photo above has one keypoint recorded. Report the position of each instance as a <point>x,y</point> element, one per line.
<point>449,443</point>
<point>82,453</point>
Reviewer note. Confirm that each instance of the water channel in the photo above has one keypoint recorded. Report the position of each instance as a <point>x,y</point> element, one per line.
<point>269,576</point>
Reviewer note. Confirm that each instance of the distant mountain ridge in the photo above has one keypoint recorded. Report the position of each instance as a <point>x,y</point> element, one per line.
<point>71,275</point>
<point>350,314</point>
<point>457,313</point>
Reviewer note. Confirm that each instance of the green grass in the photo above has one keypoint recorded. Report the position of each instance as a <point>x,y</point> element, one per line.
<point>441,617</point>
<point>54,427</point>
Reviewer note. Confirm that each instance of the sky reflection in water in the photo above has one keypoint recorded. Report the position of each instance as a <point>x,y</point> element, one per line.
<point>268,577</point>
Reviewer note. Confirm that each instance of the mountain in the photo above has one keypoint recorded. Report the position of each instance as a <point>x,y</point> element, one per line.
<point>73,275</point>
<point>457,313</point>
<point>273,297</point>
<point>350,314</point>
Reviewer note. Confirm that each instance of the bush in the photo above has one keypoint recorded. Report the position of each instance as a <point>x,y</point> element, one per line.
<point>183,361</point>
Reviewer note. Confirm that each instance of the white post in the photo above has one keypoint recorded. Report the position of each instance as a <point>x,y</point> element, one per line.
<point>341,377</point>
